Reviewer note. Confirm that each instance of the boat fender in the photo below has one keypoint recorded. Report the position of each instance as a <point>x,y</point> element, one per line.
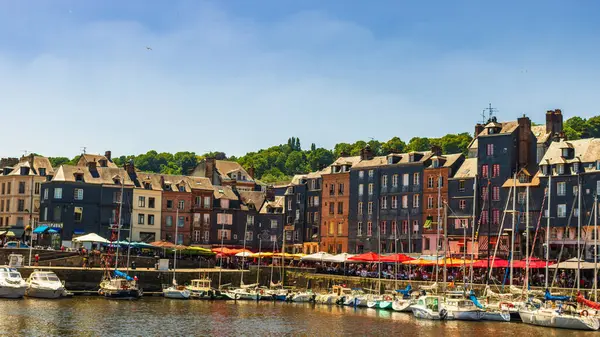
<point>262,292</point>
<point>443,313</point>
<point>508,304</point>
<point>388,298</point>
<point>584,313</point>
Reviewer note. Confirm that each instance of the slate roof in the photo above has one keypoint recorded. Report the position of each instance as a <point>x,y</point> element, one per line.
<point>278,204</point>
<point>586,151</point>
<point>101,175</point>
<point>468,169</point>
<point>89,158</point>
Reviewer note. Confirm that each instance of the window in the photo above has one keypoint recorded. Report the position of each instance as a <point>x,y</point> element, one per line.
<point>21,187</point>
<point>395,180</point>
<point>78,193</point>
<point>3,188</point>
<point>37,188</point>
<point>361,174</point>
<point>150,219</point>
<point>575,189</point>
<point>181,221</point>
<point>169,220</point>
<point>544,169</point>
<point>561,188</point>
<point>429,202</point>
<point>8,187</point>
<point>484,171</point>
<point>46,193</point>
<point>20,205</point>
<point>331,229</point>
<point>360,208</point>
<point>370,208</point>
<point>598,187</point>
<point>383,202</point>
<point>181,204</point>
<point>490,150</point>
<point>197,201</point>
<point>1,205</point>
<point>523,178</point>
<point>250,219</point>
<point>462,204</point>
<point>484,217</point>
<point>340,228</point>
<point>141,218</point>
<point>561,211</point>
<point>225,204</point>
<point>430,181</point>
<point>289,204</point>
<point>495,216</point>
<point>495,193</point>
<point>560,168</point>
<point>273,223</point>
<point>340,207</point>
<point>417,178</point>
<point>151,202</point>
<point>298,198</point>
<point>223,234</point>
<point>224,219</point>
<point>181,188</point>
<point>360,189</point>
<point>404,226</point>
<point>206,202</point>
<point>331,207</point>
<point>435,163</point>
<point>341,189</point>
<point>495,170</point>
<point>45,217</point>
<point>316,200</point>
<point>8,205</point>
<point>359,228</point>
<point>394,201</point>
<point>405,179</point>
<point>416,201</point>
<point>369,228</point>
<point>370,173</point>
<point>57,193</point>
<point>249,236</point>
<point>405,201</point>
<point>440,181</point>
<point>332,189</point>
<point>57,214</point>
<point>383,227</point>
<point>78,214</point>
<point>370,189</point>
<point>484,192</point>
<point>117,197</point>
<point>169,204</point>
<point>384,179</point>
<point>297,214</point>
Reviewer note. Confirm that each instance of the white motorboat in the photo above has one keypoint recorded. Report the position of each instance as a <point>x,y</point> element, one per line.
<point>242,294</point>
<point>430,307</point>
<point>496,315</point>
<point>553,318</point>
<point>374,301</point>
<point>175,291</point>
<point>201,289</point>
<point>462,309</point>
<point>45,284</point>
<point>12,284</point>
<point>338,292</point>
<point>305,296</point>
<point>402,304</point>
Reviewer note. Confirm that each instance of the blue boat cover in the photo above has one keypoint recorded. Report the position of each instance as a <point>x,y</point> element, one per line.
<point>122,274</point>
<point>475,300</point>
<point>405,292</point>
<point>549,297</point>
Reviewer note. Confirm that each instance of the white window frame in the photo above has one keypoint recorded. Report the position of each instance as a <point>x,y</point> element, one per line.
<point>58,193</point>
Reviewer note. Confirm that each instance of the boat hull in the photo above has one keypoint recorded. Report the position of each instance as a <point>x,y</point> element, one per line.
<point>471,315</point>
<point>385,305</point>
<point>125,294</point>
<point>401,306</point>
<point>424,313</point>
<point>12,292</point>
<point>303,298</point>
<point>496,316</point>
<point>206,295</point>
<point>177,294</point>
<point>559,321</point>
<point>45,292</point>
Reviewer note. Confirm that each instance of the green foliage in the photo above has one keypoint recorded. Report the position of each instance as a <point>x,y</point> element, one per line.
<point>57,161</point>
<point>577,127</point>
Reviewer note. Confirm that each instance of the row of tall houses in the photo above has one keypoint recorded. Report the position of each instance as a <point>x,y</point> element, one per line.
<point>218,203</point>
<point>514,175</point>
<point>400,202</point>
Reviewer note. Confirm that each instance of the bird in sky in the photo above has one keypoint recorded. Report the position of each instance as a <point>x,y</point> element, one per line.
<point>148,48</point>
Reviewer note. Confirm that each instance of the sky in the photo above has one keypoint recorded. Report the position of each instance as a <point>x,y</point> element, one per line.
<point>238,75</point>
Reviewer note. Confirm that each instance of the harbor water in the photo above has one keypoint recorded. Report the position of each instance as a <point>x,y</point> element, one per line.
<point>153,316</point>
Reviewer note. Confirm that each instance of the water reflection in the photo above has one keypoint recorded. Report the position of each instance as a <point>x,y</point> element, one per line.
<point>94,316</point>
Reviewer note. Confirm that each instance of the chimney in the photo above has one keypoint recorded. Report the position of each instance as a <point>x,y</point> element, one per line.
<point>524,141</point>
<point>108,155</point>
<point>162,182</point>
<point>129,168</point>
<point>270,193</point>
<point>478,129</point>
<point>251,172</point>
<point>209,170</point>
<point>366,153</point>
<point>436,150</point>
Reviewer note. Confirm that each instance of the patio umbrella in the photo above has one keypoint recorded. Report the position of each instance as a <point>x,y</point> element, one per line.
<point>396,258</point>
<point>494,263</point>
<point>572,264</point>
<point>534,263</point>
<point>366,257</point>
<point>420,262</point>
<point>318,257</point>
<point>244,254</point>
<point>452,262</point>
<point>225,251</point>
<point>92,237</point>
<point>162,244</point>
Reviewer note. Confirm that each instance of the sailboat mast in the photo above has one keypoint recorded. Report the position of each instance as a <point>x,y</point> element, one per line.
<point>548,225</point>
<point>437,239</point>
<point>579,212</point>
<point>395,250</point>
<point>595,212</point>
<point>527,237</point>
<point>119,225</point>
<point>283,258</point>
<point>410,229</point>
<point>259,258</point>
<point>244,253</point>
<point>473,230</point>
<point>379,255</point>
<point>512,243</point>
<point>175,241</point>
<point>221,256</point>
<point>445,243</point>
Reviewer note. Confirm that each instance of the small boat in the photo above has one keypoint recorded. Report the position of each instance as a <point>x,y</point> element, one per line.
<point>496,315</point>
<point>12,284</point>
<point>278,294</point>
<point>120,286</point>
<point>335,297</point>
<point>551,317</point>
<point>201,289</point>
<point>402,304</point>
<point>430,307</point>
<point>305,296</point>
<point>175,291</point>
<point>242,294</point>
<point>461,308</point>
<point>45,284</point>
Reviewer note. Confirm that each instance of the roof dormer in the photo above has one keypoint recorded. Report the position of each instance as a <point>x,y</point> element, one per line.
<point>493,127</point>
<point>116,179</point>
<point>393,159</point>
<point>567,151</point>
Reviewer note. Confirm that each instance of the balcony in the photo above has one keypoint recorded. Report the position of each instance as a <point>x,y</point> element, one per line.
<point>416,188</point>
<point>405,188</point>
<point>414,211</point>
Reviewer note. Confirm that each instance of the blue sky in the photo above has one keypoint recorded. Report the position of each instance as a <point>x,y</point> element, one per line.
<point>239,75</point>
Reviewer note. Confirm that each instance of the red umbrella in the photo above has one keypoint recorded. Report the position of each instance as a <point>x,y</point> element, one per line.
<point>534,263</point>
<point>396,258</point>
<point>225,251</point>
<point>495,263</point>
<point>366,257</point>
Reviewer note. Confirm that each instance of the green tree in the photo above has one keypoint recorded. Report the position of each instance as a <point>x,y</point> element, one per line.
<point>319,158</point>
<point>57,161</point>
<point>186,161</point>
<point>294,163</point>
<point>394,145</point>
<point>418,144</point>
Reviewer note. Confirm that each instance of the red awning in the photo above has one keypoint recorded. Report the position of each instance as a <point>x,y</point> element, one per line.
<point>396,258</point>
<point>366,257</point>
<point>497,263</point>
<point>534,263</point>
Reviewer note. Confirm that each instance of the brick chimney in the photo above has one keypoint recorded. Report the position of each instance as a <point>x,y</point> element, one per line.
<point>524,141</point>
<point>129,168</point>
<point>270,193</point>
<point>436,150</point>
<point>478,129</point>
<point>209,170</point>
<point>251,172</point>
<point>108,155</point>
<point>366,153</point>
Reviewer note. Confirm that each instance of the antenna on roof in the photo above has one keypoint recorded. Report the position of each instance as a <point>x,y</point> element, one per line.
<point>490,111</point>
<point>24,153</point>
<point>83,148</point>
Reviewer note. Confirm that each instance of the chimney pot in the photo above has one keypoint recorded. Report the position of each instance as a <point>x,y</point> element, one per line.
<point>108,155</point>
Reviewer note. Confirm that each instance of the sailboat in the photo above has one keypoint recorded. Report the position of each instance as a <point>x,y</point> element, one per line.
<point>176,291</point>
<point>403,303</point>
<point>564,317</point>
<point>119,285</point>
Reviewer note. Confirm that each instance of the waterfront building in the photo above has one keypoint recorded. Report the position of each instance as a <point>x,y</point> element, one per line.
<point>247,224</point>
<point>386,202</point>
<point>20,188</point>
<point>147,205</point>
<point>295,213</point>
<point>87,199</point>
<point>271,220</point>
<point>314,184</point>
<point>436,174</point>
<point>335,205</point>
<point>463,207</point>
<point>571,163</point>
<point>226,208</point>
<point>226,173</point>
<point>100,160</point>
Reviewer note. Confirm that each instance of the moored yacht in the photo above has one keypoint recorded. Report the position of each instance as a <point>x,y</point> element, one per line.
<point>120,286</point>
<point>430,307</point>
<point>201,289</point>
<point>45,284</point>
<point>12,284</point>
